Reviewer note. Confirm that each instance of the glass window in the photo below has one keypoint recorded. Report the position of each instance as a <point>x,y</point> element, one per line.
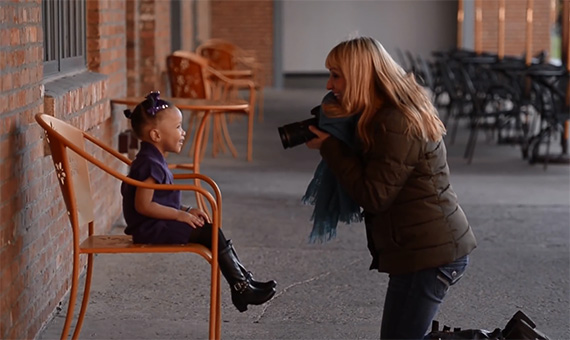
<point>64,36</point>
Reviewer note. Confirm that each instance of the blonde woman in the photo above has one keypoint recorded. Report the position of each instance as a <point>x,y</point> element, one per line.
<point>396,170</point>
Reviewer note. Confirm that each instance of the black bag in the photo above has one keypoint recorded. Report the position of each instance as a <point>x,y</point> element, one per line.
<point>473,334</point>
<point>520,327</point>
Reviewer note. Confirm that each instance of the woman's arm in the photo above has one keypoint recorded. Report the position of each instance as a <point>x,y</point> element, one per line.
<point>145,206</point>
<point>373,181</point>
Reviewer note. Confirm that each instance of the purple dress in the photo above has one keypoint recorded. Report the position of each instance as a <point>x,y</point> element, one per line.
<point>149,162</point>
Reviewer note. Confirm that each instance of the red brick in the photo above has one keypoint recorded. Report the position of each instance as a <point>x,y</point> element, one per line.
<point>6,149</point>
<point>227,23</point>
<point>515,27</point>
<point>9,189</point>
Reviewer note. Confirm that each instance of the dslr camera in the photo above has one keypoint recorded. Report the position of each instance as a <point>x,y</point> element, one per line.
<point>298,133</point>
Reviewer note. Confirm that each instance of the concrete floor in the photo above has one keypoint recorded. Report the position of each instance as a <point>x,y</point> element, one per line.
<point>519,212</point>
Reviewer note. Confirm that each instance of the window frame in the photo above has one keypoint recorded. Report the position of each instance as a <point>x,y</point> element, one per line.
<point>64,23</point>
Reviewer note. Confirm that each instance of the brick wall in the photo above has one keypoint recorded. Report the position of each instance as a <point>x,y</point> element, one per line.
<point>515,26</point>
<point>107,27</point>
<point>34,228</point>
<point>162,44</point>
<point>565,26</point>
<point>106,42</point>
<point>149,43</point>
<point>249,25</point>
<point>25,197</point>
<point>187,26</point>
<point>133,58</point>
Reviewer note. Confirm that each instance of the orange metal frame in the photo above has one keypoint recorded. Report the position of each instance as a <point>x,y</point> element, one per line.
<point>67,145</point>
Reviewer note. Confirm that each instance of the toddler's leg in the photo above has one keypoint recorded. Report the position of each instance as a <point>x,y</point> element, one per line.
<point>249,275</point>
<point>203,236</point>
<point>244,291</point>
<point>163,232</point>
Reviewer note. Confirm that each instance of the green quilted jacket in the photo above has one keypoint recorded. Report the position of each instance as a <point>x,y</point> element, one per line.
<point>412,217</point>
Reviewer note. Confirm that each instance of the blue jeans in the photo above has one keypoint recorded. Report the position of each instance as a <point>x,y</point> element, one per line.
<point>413,299</point>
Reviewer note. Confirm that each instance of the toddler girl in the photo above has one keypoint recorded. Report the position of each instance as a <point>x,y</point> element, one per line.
<point>157,217</point>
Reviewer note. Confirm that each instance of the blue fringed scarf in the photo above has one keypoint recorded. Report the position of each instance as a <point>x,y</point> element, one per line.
<point>331,202</point>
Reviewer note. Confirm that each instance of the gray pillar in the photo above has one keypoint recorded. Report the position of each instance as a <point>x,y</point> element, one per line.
<point>469,25</point>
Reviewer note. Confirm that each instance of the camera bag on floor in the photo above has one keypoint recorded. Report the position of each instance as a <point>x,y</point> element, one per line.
<point>520,327</point>
<point>456,334</point>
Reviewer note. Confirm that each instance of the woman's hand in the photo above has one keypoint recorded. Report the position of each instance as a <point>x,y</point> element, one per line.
<point>316,142</point>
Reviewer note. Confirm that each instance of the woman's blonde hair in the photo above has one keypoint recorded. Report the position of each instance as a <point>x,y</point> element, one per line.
<point>372,78</point>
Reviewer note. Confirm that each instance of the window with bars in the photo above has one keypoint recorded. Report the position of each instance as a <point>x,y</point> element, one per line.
<point>64,36</point>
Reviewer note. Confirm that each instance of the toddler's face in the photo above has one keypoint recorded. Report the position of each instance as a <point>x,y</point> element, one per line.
<point>169,126</point>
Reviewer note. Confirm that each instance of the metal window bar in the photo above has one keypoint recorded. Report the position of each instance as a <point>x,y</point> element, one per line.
<point>50,20</point>
<point>65,22</point>
<point>79,32</point>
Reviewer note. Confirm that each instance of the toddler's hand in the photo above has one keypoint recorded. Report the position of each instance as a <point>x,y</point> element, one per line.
<point>199,213</point>
<point>190,219</point>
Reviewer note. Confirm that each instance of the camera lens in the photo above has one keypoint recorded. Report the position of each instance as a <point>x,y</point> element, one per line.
<point>283,137</point>
<point>296,133</point>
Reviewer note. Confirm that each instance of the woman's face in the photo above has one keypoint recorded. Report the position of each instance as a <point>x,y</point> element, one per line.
<point>336,83</point>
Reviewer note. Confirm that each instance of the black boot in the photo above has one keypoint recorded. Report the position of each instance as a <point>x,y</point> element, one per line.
<point>249,275</point>
<point>243,293</point>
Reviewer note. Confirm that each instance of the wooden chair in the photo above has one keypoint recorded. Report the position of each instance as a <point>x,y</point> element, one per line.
<point>71,161</point>
<point>191,77</point>
<point>234,62</point>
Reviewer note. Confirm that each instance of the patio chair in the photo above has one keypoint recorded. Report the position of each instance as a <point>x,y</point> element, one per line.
<point>552,86</point>
<point>192,77</point>
<point>234,62</point>
<point>71,160</point>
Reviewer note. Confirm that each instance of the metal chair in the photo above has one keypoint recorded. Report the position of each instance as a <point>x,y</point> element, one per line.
<point>235,63</point>
<point>191,76</point>
<point>71,160</point>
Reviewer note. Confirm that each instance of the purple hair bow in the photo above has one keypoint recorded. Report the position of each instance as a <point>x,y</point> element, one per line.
<point>156,104</point>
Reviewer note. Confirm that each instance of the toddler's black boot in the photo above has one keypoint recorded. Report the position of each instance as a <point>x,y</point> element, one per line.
<point>243,292</point>
<point>249,275</point>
